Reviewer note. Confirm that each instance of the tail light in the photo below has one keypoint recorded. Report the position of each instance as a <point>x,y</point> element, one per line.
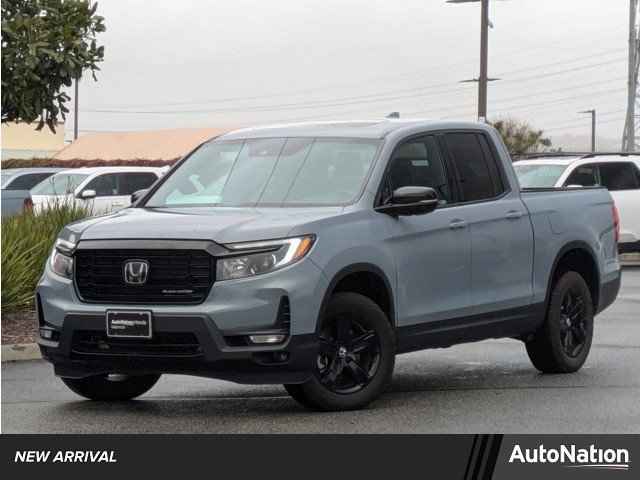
<point>27,204</point>
<point>616,222</point>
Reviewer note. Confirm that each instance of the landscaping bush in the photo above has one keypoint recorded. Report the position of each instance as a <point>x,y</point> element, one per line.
<point>27,240</point>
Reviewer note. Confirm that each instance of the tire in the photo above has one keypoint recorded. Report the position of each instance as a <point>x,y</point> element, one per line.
<point>356,358</point>
<point>111,388</point>
<point>563,342</point>
<point>295,392</point>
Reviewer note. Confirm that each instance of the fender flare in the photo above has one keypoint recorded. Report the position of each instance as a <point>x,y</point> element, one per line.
<point>348,270</point>
<point>573,245</point>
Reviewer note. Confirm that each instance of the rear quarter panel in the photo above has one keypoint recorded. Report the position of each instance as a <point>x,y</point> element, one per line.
<point>564,217</point>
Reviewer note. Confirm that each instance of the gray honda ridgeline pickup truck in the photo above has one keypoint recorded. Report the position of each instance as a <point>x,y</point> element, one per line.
<point>311,254</point>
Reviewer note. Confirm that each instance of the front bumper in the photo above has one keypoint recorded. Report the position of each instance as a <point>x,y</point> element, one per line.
<point>82,349</point>
<point>232,308</point>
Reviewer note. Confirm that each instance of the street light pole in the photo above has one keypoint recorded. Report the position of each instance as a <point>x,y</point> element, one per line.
<point>593,127</point>
<point>484,47</point>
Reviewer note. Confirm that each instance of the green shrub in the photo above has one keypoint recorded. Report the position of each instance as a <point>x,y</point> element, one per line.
<point>27,240</point>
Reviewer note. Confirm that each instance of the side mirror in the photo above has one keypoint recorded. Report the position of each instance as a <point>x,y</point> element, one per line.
<point>574,186</point>
<point>411,201</point>
<point>137,195</point>
<point>88,194</point>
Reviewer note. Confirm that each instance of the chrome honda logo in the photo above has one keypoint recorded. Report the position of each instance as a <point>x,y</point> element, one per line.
<point>136,272</point>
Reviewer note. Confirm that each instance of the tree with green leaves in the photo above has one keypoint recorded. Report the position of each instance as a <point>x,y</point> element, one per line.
<point>46,45</point>
<point>520,137</point>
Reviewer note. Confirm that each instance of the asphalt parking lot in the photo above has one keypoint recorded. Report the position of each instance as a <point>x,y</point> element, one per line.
<point>482,387</point>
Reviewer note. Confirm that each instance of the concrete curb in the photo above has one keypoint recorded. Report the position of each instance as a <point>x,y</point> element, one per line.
<point>19,352</point>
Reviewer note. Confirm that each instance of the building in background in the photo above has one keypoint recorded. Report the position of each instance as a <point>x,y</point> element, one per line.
<point>151,145</point>
<point>22,140</point>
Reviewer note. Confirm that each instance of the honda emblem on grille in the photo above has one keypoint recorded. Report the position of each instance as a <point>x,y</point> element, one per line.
<point>136,272</point>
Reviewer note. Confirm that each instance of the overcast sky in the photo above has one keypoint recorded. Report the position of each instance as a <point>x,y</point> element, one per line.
<point>197,63</point>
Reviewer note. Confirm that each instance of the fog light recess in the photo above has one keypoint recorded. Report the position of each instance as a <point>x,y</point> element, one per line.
<point>267,339</point>
<point>48,333</point>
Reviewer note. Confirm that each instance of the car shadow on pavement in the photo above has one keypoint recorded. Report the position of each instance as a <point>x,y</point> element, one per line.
<point>256,401</point>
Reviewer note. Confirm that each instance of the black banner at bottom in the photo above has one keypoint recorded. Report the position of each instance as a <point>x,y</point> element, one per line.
<point>467,457</point>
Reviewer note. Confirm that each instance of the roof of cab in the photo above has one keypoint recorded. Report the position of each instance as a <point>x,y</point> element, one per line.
<point>351,129</point>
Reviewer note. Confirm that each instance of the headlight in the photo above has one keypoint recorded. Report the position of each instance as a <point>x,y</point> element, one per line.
<point>62,263</point>
<point>255,258</point>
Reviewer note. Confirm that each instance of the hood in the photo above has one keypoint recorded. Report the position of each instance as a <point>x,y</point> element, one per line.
<point>222,225</point>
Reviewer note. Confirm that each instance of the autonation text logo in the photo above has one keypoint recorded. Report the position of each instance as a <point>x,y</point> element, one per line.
<point>573,456</point>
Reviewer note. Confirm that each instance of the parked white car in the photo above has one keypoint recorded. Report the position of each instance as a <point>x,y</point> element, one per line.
<point>619,173</point>
<point>102,189</point>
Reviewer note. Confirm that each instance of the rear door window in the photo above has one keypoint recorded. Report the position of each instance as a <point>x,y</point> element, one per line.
<point>619,176</point>
<point>478,178</point>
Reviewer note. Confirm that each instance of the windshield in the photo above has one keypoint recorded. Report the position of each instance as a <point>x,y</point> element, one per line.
<point>538,175</point>
<point>59,184</point>
<point>274,171</point>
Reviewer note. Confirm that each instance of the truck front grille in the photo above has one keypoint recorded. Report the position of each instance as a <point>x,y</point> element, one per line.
<point>174,276</point>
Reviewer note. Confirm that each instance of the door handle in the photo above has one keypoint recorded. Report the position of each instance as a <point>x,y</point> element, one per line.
<point>513,215</point>
<point>457,223</point>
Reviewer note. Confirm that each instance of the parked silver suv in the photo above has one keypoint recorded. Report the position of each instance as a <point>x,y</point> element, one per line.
<point>310,255</point>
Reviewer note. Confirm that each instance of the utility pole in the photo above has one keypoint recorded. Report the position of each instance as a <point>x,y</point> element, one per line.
<point>484,47</point>
<point>630,139</point>
<point>483,79</point>
<point>593,127</point>
<point>75,110</point>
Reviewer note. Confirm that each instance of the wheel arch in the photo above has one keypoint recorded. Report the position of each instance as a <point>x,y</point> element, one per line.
<point>376,286</point>
<point>570,257</point>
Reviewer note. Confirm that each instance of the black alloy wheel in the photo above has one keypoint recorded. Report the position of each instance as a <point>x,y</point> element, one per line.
<point>573,328</point>
<point>563,341</point>
<point>349,355</point>
<point>356,356</point>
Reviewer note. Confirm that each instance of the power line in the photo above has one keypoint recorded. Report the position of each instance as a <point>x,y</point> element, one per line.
<point>576,125</point>
<point>564,62</point>
<point>560,72</point>
<point>350,100</point>
<point>530,105</point>
<point>359,83</point>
